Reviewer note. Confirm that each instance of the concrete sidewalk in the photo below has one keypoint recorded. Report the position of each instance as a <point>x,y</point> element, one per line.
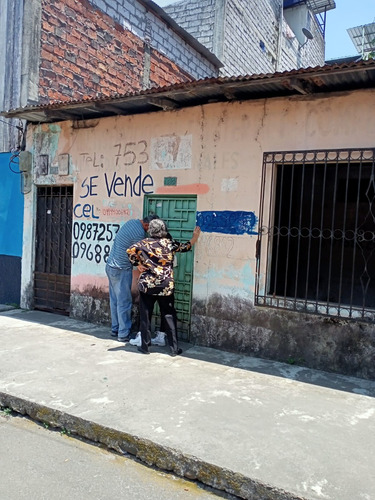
<point>254,428</point>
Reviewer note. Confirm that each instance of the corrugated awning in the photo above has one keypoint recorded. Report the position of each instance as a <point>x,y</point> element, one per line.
<point>363,38</point>
<point>302,82</point>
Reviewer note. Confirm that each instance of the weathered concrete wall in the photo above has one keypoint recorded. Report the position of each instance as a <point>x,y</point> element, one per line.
<point>11,15</point>
<point>20,24</point>
<point>215,152</point>
<point>323,343</point>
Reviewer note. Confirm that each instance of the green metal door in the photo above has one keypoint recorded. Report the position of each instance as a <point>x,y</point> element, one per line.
<point>179,213</point>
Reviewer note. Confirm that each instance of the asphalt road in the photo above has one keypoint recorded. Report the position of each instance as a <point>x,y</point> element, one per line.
<point>40,464</point>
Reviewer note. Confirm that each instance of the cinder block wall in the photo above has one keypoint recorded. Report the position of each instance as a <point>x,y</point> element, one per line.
<point>245,35</point>
<point>250,43</point>
<point>197,17</point>
<point>144,23</point>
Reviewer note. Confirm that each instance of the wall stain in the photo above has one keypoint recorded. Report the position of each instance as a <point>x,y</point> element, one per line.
<point>92,305</point>
<point>234,324</point>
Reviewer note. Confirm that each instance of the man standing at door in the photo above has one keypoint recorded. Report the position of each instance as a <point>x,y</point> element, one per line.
<point>120,276</point>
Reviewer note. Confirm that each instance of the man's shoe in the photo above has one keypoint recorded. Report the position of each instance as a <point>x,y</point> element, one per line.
<point>159,339</point>
<point>176,353</point>
<point>137,341</point>
<point>123,339</point>
<point>142,350</point>
<point>114,334</point>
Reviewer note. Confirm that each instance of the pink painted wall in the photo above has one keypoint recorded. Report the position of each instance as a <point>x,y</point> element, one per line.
<point>214,151</point>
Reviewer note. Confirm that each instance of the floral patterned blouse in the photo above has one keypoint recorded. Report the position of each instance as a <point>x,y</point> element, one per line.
<point>157,256</point>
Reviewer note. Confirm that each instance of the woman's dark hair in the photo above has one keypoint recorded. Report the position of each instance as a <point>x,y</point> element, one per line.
<point>149,218</point>
<point>157,229</point>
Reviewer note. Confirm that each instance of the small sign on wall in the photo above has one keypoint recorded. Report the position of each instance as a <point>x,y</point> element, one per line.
<point>63,164</point>
<point>42,165</point>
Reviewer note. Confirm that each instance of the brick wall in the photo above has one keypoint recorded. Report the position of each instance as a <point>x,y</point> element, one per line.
<point>85,53</point>
<point>140,19</point>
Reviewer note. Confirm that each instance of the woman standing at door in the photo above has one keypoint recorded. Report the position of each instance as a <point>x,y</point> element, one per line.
<point>154,256</point>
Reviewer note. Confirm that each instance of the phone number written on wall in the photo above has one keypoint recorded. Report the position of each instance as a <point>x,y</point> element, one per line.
<point>92,240</point>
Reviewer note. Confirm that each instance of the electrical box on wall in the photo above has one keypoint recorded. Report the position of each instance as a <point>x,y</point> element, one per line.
<point>25,161</point>
<point>63,164</point>
<point>25,166</point>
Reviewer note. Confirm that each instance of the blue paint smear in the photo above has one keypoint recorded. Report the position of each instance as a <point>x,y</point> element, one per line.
<point>11,206</point>
<point>227,222</point>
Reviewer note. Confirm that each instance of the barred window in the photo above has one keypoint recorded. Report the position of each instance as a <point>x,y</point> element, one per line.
<point>316,241</point>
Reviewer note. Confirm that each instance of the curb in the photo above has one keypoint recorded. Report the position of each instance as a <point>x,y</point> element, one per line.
<point>147,451</point>
<point>6,307</point>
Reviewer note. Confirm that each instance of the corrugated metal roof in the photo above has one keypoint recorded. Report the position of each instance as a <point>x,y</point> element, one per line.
<point>363,38</point>
<point>305,81</point>
<point>317,6</point>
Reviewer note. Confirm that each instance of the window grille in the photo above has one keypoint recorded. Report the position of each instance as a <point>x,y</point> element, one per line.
<point>316,243</point>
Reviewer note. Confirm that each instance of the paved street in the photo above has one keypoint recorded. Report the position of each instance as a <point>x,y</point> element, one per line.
<point>258,429</point>
<point>37,463</point>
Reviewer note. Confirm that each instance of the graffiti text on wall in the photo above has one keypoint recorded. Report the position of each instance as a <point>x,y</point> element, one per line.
<point>124,155</point>
<point>92,240</point>
<point>227,222</point>
<point>218,245</point>
<point>113,182</point>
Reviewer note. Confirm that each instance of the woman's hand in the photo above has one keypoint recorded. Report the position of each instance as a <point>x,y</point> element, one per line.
<point>196,233</point>
<point>141,268</point>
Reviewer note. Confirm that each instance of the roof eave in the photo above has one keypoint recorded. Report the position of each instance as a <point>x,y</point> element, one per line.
<point>308,81</point>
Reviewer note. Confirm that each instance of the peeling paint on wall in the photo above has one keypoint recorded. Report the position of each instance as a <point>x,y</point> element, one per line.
<point>46,140</point>
<point>171,152</point>
<point>230,184</point>
<point>232,281</point>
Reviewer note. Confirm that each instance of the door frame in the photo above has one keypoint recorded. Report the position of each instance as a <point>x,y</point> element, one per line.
<point>187,206</point>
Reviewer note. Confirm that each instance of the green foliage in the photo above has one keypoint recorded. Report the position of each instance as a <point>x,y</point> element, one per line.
<point>371,54</point>
<point>5,411</point>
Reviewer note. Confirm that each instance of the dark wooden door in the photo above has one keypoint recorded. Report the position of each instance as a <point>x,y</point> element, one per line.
<point>53,249</point>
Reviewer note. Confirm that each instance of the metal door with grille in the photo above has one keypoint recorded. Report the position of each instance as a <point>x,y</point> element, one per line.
<point>53,249</point>
<point>179,213</point>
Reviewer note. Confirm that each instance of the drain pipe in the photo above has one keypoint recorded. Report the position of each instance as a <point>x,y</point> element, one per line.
<point>279,39</point>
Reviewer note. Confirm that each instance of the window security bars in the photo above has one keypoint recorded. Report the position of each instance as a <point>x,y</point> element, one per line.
<point>53,248</point>
<point>54,229</point>
<point>316,243</point>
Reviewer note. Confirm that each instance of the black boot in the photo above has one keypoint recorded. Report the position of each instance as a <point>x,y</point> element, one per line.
<point>176,353</point>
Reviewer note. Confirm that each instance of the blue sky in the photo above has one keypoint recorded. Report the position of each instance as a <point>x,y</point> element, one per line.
<point>348,14</point>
